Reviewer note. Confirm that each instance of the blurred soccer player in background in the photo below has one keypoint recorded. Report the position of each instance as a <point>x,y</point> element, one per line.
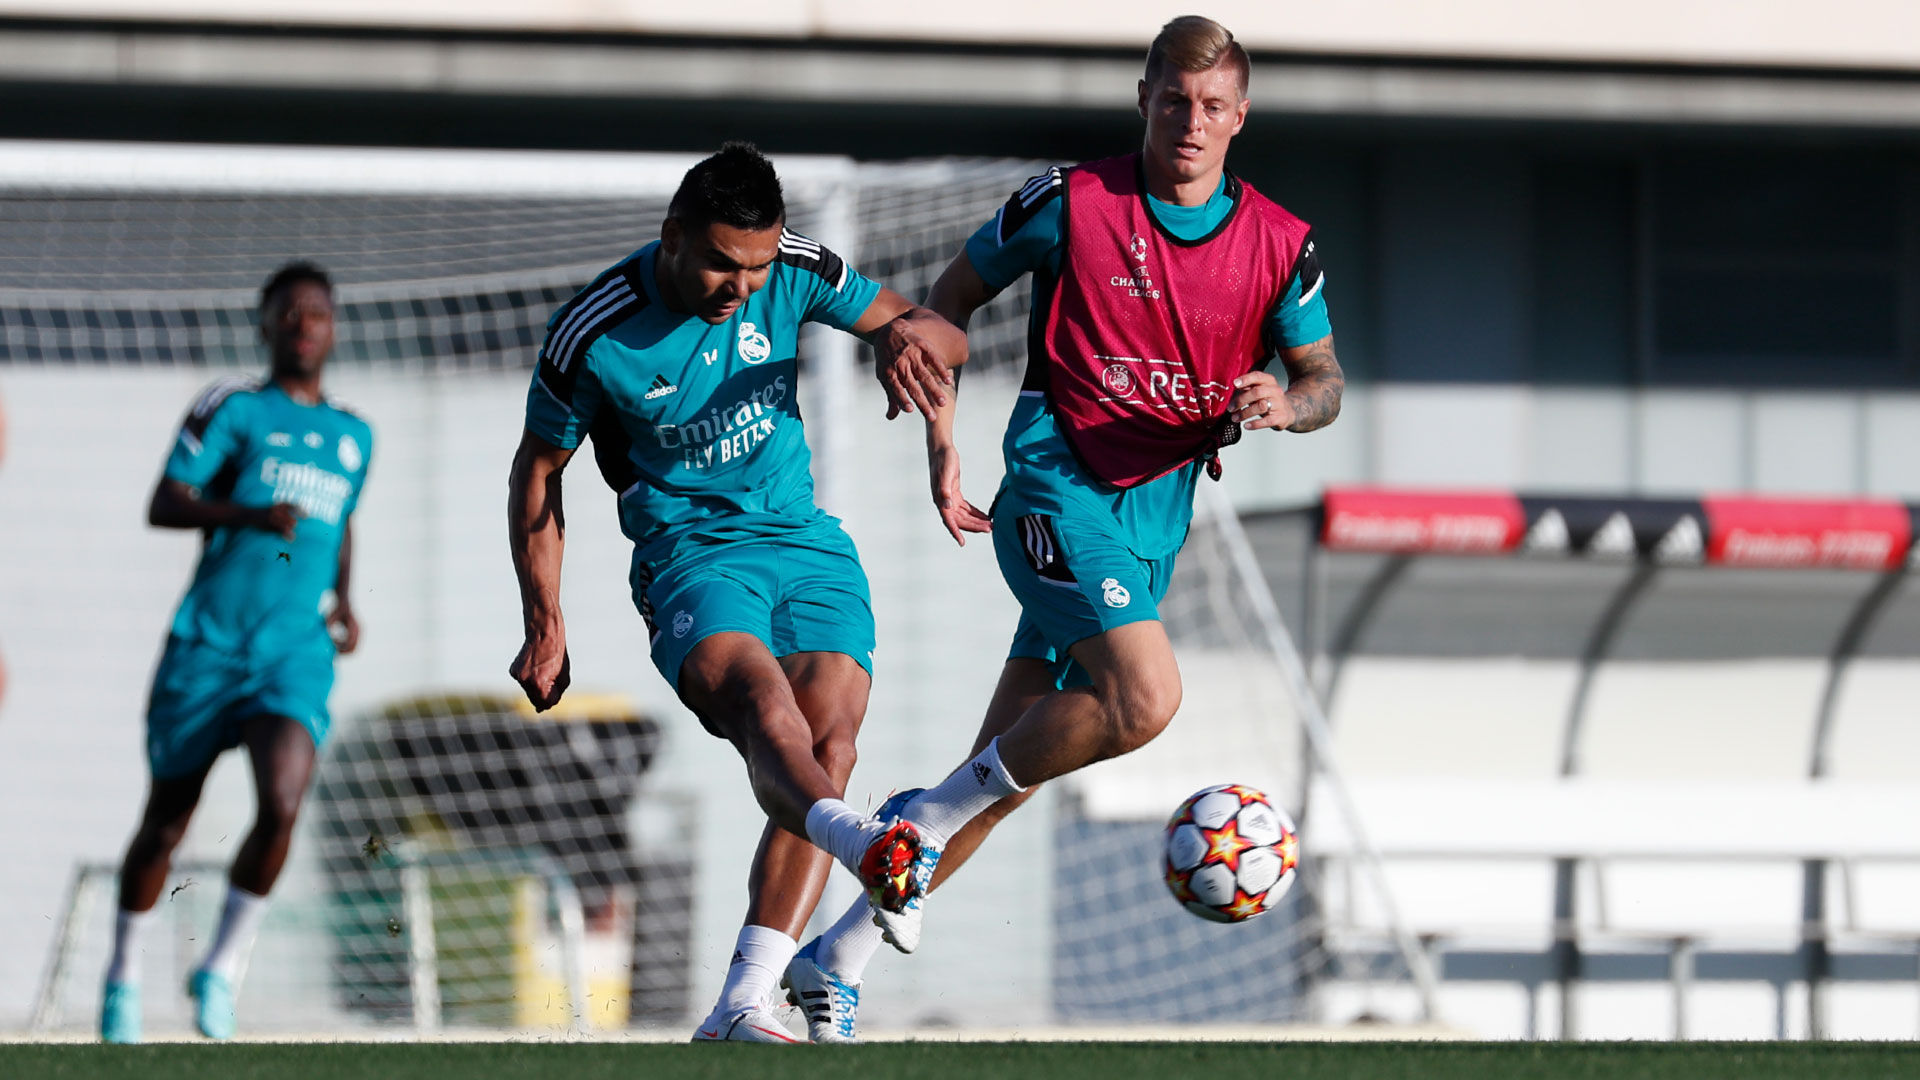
<point>1163,287</point>
<point>270,471</point>
<point>680,364</point>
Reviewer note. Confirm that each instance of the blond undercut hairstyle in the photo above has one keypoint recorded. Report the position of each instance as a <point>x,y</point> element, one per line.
<point>1196,43</point>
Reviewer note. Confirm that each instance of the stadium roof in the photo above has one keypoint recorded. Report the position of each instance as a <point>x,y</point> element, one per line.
<point>515,49</point>
<point>1845,33</point>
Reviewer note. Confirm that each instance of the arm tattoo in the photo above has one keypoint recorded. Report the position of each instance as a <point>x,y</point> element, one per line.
<point>1314,384</point>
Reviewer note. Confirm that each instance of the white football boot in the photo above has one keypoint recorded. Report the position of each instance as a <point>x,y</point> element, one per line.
<point>750,1025</point>
<point>830,1004</point>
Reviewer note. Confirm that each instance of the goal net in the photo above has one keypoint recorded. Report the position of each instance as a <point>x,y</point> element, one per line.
<point>461,864</point>
<point>1247,716</point>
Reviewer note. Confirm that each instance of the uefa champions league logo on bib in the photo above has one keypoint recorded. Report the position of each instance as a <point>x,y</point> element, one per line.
<point>754,346</point>
<point>1118,380</point>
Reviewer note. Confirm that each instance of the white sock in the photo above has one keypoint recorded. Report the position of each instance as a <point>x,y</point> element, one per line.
<point>760,956</point>
<point>940,810</point>
<point>128,928</point>
<point>849,944</point>
<point>840,831</point>
<point>239,923</point>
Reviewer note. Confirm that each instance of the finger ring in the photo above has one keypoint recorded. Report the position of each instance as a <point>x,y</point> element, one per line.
<point>1266,406</point>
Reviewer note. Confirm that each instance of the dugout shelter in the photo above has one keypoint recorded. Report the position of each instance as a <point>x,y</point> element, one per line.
<point>1675,759</point>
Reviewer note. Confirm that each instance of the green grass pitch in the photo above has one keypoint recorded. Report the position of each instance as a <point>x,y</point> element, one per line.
<point>1052,1060</point>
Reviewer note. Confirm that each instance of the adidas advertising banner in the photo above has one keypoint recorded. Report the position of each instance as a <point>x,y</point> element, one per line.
<point>1664,530</point>
<point>1716,530</point>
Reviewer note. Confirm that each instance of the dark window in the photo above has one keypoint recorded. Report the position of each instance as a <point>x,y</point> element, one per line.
<point>1774,267</point>
<point>1583,245</point>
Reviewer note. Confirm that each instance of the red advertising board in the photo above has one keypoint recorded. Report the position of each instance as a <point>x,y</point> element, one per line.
<point>1854,535</point>
<point>1434,522</point>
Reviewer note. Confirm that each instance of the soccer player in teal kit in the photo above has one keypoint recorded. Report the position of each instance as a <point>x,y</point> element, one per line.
<point>679,364</point>
<point>270,471</point>
<point>1163,287</point>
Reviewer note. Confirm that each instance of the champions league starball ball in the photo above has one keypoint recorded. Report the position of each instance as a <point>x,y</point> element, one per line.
<point>1230,853</point>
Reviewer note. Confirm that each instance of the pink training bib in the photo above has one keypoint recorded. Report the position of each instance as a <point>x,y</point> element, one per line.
<point>1147,331</point>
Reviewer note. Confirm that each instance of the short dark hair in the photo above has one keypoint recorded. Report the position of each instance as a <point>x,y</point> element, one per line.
<point>1196,43</point>
<point>736,187</point>
<point>298,270</point>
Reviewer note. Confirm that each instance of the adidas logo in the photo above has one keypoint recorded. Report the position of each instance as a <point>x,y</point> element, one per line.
<point>980,773</point>
<point>661,388</point>
<point>1683,543</point>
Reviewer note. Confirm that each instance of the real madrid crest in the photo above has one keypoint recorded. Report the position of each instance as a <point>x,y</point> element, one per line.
<point>754,346</point>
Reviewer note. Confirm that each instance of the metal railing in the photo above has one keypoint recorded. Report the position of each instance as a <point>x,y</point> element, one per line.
<point>1570,947</point>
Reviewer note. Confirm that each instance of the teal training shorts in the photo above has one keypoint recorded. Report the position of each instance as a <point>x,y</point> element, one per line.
<point>796,594</point>
<point>202,697</point>
<point>1075,577</point>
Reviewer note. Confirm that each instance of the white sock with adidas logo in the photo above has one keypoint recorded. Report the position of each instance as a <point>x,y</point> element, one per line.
<point>760,956</point>
<point>941,810</point>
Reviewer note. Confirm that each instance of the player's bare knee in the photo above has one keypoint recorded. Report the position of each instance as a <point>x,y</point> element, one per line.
<point>159,838</point>
<point>278,811</point>
<point>273,821</point>
<point>711,682</point>
<point>836,753</point>
<point>1133,732</point>
<point>1142,709</point>
<point>753,707</point>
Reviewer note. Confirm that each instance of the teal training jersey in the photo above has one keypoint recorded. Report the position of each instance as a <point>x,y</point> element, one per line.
<point>255,593</point>
<point>696,427</point>
<point>1043,475</point>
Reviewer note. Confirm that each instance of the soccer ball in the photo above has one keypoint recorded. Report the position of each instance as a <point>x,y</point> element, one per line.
<point>1231,853</point>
